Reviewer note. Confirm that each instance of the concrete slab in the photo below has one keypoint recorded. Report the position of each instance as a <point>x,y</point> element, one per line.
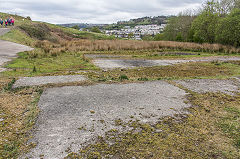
<point>43,80</point>
<point>211,85</point>
<point>71,116</point>
<point>107,64</point>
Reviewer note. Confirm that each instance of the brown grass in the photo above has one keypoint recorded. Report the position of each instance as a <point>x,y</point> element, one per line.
<point>119,45</point>
<point>18,112</point>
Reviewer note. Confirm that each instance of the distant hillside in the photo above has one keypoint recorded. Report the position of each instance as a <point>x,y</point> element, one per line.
<point>83,25</point>
<point>17,17</point>
<point>146,21</point>
<point>119,25</point>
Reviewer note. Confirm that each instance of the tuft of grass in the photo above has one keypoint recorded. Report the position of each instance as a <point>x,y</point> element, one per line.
<point>123,77</point>
<point>9,85</point>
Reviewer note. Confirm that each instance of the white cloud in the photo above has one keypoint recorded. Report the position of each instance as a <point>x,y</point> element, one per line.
<point>94,11</point>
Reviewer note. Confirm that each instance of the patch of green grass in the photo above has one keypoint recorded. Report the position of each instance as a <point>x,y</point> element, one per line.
<point>123,77</point>
<point>24,66</point>
<point>17,36</point>
<point>196,135</point>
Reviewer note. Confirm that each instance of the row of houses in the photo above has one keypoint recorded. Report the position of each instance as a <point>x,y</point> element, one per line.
<point>137,32</point>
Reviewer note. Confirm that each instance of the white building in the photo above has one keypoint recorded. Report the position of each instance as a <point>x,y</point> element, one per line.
<point>138,31</point>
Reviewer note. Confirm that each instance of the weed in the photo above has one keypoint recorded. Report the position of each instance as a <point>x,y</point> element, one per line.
<point>9,85</point>
<point>34,69</point>
<point>123,77</point>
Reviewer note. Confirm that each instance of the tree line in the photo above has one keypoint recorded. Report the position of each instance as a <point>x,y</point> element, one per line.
<point>218,21</point>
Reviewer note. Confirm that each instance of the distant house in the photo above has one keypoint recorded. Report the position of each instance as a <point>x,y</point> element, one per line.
<point>137,31</point>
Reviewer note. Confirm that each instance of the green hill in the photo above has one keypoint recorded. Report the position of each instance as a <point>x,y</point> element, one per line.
<point>28,32</point>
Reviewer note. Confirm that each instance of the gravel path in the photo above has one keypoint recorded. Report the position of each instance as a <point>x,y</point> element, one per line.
<point>42,80</point>
<point>211,85</point>
<point>107,64</point>
<point>9,50</point>
<point>94,110</point>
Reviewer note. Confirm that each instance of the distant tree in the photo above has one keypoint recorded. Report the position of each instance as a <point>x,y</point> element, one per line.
<point>95,29</point>
<point>130,35</point>
<point>76,27</point>
<point>28,18</point>
<point>179,37</point>
<point>228,29</point>
<point>147,38</point>
<point>159,37</point>
<point>179,25</point>
<point>204,26</point>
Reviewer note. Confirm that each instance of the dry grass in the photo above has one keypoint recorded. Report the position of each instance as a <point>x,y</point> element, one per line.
<point>119,45</point>
<point>17,111</point>
<point>210,131</point>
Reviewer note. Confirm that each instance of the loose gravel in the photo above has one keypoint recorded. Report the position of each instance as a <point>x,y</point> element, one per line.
<point>43,80</point>
<point>107,64</point>
<point>211,85</point>
<point>71,116</point>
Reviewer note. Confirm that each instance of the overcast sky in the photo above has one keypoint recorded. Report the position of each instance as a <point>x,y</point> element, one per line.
<point>94,11</point>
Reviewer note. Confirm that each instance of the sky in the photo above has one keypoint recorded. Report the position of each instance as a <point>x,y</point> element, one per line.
<point>94,11</point>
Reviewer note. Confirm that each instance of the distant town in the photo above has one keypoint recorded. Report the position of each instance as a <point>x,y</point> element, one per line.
<point>132,29</point>
<point>137,32</point>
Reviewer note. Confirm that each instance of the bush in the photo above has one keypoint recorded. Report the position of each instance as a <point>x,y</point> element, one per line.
<point>228,29</point>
